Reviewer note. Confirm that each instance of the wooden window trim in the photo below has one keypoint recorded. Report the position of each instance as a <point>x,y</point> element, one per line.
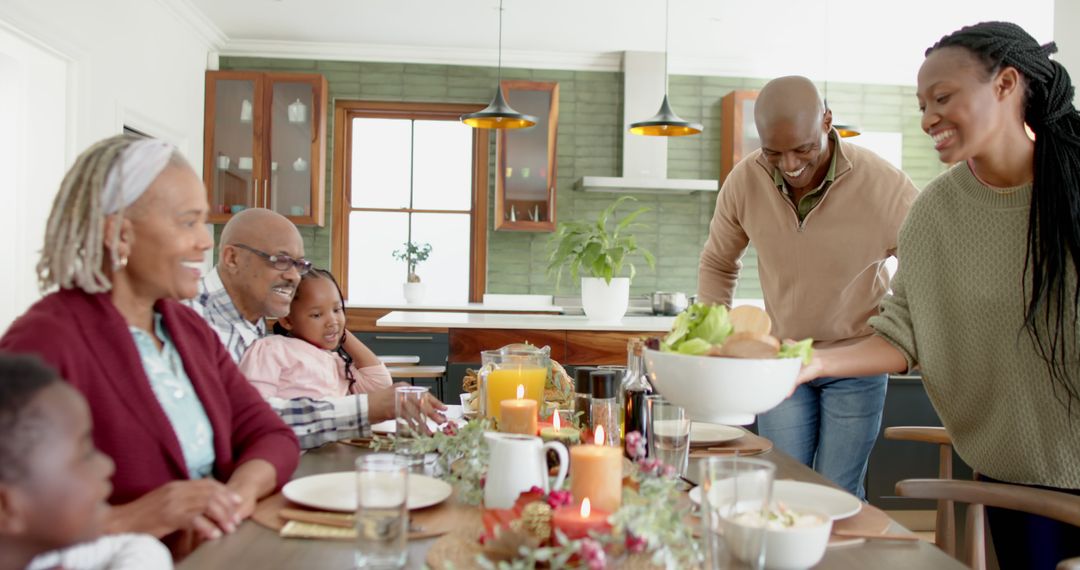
<point>344,112</point>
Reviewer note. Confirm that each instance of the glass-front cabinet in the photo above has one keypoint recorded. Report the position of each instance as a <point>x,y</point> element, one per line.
<point>265,144</point>
<point>739,137</point>
<point>525,158</point>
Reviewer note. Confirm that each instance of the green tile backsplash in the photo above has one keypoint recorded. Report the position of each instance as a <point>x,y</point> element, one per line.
<point>590,143</point>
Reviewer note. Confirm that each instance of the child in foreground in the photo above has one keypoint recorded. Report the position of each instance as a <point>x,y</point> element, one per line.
<point>53,481</point>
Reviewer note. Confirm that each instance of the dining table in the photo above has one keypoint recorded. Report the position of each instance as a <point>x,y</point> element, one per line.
<point>255,546</point>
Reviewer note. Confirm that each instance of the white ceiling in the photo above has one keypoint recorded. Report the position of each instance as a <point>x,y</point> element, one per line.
<point>871,41</point>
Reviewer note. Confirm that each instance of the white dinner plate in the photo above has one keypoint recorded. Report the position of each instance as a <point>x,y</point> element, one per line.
<point>710,434</point>
<point>798,495</point>
<point>337,491</point>
<point>453,413</point>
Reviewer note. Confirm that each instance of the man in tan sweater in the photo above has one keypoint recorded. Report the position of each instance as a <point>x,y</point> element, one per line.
<point>823,216</point>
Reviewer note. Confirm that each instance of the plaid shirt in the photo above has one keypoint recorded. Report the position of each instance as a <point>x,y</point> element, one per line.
<point>315,422</point>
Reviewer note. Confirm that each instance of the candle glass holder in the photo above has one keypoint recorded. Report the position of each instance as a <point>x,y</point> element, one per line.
<point>505,369</point>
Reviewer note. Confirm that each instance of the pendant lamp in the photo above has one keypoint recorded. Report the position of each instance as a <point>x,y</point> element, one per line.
<point>843,129</point>
<point>498,114</point>
<point>665,123</point>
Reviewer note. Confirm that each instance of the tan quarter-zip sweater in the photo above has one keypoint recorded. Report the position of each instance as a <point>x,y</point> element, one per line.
<point>821,278</point>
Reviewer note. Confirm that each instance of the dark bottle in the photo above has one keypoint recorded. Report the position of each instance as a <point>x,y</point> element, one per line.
<point>583,398</point>
<point>635,388</point>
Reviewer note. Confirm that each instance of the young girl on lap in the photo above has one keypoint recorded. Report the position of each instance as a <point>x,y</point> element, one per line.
<point>313,355</point>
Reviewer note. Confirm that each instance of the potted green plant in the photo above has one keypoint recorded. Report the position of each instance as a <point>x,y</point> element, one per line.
<point>412,254</point>
<point>598,251</point>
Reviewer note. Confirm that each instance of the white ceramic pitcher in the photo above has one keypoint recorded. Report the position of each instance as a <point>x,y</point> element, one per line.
<point>517,464</point>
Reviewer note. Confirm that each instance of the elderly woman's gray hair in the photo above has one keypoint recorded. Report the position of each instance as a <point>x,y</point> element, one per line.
<point>105,179</point>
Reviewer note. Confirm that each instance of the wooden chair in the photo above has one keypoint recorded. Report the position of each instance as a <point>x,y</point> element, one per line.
<point>945,526</point>
<point>390,360</point>
<point>1051,504</point>
<point>438,373</point>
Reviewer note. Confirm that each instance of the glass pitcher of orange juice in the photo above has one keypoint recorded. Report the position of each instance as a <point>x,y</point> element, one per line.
<point>507,368</point>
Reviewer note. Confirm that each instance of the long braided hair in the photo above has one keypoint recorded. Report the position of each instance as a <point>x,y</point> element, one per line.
<point>72,255</point>
<point>316,273</point>
<point>1053,237</point>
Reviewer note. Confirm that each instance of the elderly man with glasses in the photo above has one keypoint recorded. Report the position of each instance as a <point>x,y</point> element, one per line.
<point>260,263</point>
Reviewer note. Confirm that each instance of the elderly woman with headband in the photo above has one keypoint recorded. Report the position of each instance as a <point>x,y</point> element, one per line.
<point>194,444</point>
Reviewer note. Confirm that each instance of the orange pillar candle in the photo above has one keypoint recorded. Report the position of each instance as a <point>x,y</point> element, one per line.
<point>576,522</point>
<point>596,474</point>
<point>518,416</point>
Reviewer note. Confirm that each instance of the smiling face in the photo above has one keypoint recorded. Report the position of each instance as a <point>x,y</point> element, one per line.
<point>67,480</point>
<point>317,314</point>
<point>165,232</point>
<point>256,287</point>
<point>965,110</point>
<point>798,148</point>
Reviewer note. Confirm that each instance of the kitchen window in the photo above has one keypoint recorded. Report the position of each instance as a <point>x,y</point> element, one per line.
<point>410,172</point>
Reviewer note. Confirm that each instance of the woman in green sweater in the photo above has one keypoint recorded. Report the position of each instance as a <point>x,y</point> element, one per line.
<point>985,299</point>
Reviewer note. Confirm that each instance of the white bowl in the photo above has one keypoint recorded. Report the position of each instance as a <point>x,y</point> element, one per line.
<point>797,547</point>
<point>722,390</point>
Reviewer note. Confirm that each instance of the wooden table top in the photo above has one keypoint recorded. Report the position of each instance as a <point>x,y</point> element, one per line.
<point>254,546</point>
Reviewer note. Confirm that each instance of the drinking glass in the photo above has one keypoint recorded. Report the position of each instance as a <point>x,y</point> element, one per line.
<point>669,432</point>
<point>735,496</point>
<point>411,424</point>
<point>382,517</point>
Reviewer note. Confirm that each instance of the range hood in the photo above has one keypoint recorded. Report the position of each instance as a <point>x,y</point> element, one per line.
<point>644,167</point>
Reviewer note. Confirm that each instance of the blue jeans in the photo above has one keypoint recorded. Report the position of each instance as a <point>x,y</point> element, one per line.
<point>830,424</point>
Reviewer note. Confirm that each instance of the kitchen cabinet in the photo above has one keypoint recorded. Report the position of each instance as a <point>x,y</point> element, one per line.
<point>265,144</point>
<point>525,170</point>
<point>432,348</point>
<point>738,136</point>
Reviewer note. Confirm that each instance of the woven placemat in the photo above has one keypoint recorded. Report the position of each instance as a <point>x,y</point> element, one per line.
<point>869,520</point>
<point>749,444</point>
<point>433,521</point>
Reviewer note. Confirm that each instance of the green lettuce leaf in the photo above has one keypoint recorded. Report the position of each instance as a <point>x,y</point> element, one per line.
<point>803,349</point>
<point>694,346</point>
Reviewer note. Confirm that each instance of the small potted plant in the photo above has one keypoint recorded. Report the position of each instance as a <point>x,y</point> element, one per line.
<point>598,254</point>
<point>413,254</point>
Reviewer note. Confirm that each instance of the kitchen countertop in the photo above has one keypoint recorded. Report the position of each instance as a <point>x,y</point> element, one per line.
<point>463,307</point>
<point>407,319</point>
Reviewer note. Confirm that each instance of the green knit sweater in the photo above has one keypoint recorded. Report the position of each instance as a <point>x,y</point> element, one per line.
<point>957,312</point>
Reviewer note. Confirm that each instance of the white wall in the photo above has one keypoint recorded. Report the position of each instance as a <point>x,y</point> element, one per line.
<point>1066,24</point>
<point>73,72</point>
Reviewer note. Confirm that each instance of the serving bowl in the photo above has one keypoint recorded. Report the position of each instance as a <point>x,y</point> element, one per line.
<point>796,547</point>
<point>721,390</point>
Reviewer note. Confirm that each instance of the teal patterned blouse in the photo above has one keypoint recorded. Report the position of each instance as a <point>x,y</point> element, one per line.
<point>177,397</point>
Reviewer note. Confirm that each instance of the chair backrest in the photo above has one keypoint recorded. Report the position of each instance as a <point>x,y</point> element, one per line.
<point>1051,504</point>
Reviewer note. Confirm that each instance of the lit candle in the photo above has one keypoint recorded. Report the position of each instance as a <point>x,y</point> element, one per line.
<point>502,385</point>
<point>596,473</point>
<point>576,522</point>
<point>518,416</point>
<point>556,432</point>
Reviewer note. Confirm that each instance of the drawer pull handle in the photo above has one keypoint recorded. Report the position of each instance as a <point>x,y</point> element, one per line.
<point>377,337</point>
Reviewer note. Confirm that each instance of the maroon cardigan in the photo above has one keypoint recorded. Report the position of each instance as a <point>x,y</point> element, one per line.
<point>86,339</point>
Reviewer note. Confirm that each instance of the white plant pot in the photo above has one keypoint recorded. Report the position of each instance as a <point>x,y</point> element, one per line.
<point>414,292</point>
<point>605,302</point>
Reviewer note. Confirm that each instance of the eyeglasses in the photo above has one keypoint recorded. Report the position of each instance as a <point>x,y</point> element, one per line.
<point>280,262</point>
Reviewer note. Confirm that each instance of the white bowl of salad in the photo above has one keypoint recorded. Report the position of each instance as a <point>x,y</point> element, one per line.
<point>793,539</point>
<point>723,366</point>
